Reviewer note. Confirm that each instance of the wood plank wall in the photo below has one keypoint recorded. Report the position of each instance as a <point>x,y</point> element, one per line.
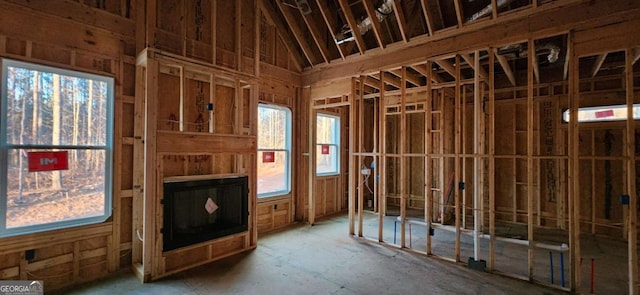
<point>104,37</point>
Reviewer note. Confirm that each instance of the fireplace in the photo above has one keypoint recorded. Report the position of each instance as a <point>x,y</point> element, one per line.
<point>200,210</point>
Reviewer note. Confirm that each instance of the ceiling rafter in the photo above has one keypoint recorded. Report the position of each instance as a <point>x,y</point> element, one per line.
<point>422,69</point>
<point>470,60</point>
<point>458,7</point>
<point>297,33</point>
<point>494,9</point>
<point>428,17</point>
<point>598,64</point>
<point>271,16</point>
<point>636,55</point>
<point>400,18</point>
<point>447,66</point>
<point>504,63</point>
<point>328,19</point>
<point>536,68</point>
<point>411,78</point>
<point>377,29</point>
<point>351,21</point>
<point>565,73</point>
<point>315,34</point>
<point>372,82</point>
<point>415,20</point>
<point>392,80</point>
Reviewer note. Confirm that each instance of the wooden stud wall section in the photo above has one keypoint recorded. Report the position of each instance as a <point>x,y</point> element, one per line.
<point>192,150</point>
<point>85,253</point>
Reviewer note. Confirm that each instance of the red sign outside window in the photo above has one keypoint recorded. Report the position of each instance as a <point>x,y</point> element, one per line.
<point>48,161</point>
<point>325,149</point>
<point>268,157</point>
<point>604,114</point>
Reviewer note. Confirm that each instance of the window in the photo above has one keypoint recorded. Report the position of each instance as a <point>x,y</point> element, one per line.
<point>274,151</point>
<point>604,113</point>
<point>56,134</point>
<point>327,144</point>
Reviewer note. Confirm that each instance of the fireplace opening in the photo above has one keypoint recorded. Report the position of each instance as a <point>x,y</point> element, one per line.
<point>200,210</point>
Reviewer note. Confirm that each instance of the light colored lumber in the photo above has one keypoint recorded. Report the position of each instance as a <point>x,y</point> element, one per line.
<point>427,72</point>
<point>574,171</point>
<point>403,160</point>
<point>458,7</point>
<point>457,144</point>
<point>598,64</point>
<point>428,162</point>
<point>375,24</point>
<point>427,16</point>
<point>530,136</point>
<point>448,67</point>
<point>401,20</point>
<point>315,34</point>
<point>631,175</point>
<point>360,116</point>
<point>271,15</point>
<point>351,158</point>
<point>470,60</point>
<point>504,63</point>
<point>492,162</point>
<point>297,32</point>
<point>351,21</point>
<point>329,20</point>
<point>410,77</point>
<point>494,9</point>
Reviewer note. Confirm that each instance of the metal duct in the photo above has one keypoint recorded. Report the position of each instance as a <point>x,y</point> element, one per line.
<point>346,35</point>
<point>487,10</point>
<point>554,51</point>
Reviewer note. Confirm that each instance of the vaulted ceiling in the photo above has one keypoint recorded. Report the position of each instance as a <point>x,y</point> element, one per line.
<point>321,31</point>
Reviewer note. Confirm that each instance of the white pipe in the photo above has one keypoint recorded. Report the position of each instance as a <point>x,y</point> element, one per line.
<point>487,10</point>
<point>476,165</point>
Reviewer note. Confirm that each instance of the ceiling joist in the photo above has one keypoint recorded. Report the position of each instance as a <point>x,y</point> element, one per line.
<point>504,63</point>
<point>392,80</point>
<point>402,21</point>
<point>329,21</point>
<point>272,17</point>
<point>458,7</point>
<point>447,67</point>
<point>428,17</point>
<point>494,9</point>
<point>377,29</point>
<point>351,21</point>
<point>297,33</point>
<point>598,64</point>
<point>636,55</point>
<point>422,69</point>
<point>411,78</point>
<point>470,60</point>
<point>315,34</point>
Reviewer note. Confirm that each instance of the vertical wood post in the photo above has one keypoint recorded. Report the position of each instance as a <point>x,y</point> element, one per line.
<point>530,171</point>
<point>428,169</point>
<point>574,168</point>
<point>631,176</point>
<point>492,161</point>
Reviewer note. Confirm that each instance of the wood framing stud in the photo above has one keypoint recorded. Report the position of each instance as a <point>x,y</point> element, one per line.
<point>351,21</point>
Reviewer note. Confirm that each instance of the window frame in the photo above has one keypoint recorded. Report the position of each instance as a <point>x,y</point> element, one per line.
<point>5,146</point>
<point>286,150</point>
<point>336,137</point>
<point>623,107</point>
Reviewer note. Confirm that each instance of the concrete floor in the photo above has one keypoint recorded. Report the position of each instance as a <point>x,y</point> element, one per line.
<point>321,259</point>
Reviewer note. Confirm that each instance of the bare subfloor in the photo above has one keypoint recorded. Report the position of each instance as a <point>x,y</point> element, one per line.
<point>322,259</point>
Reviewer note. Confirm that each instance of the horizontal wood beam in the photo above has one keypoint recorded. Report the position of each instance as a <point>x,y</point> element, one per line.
<point>546,20</point>
<point>196,143</point>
